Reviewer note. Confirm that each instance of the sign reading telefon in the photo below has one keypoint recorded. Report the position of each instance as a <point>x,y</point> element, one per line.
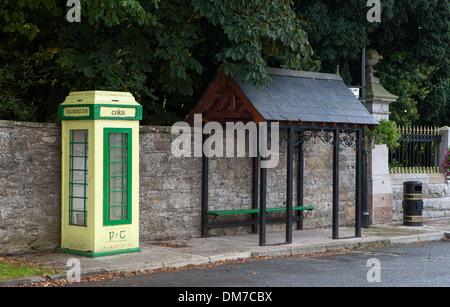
<point>214,145</point>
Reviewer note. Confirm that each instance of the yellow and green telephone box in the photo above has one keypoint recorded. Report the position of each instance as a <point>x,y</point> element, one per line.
<point>100,173</point>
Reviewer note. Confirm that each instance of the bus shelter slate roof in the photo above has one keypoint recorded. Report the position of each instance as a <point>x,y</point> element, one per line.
<point>306,97</point>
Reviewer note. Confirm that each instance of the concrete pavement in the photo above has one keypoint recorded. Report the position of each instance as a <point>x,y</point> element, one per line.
<point>193,251</point>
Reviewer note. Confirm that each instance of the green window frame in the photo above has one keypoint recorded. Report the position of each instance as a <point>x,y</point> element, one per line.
<point>78,177</point>
<point>117,176</point>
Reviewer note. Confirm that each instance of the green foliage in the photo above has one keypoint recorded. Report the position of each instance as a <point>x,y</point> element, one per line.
<point>258,32</point>
<point>412,36</point>
<point>414,43</point>
<point>337,30</point>
<point>17,77</point>
<point>385,133</point>
<point>416,26</point>
<point>420,87</point>
<point>165,52</point>
<point>65,56</point>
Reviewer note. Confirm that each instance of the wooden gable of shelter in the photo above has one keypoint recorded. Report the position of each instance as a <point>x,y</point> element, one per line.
<point>224,101</point>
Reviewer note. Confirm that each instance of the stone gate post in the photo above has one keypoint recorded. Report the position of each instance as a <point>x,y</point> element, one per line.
<point>378,99</point>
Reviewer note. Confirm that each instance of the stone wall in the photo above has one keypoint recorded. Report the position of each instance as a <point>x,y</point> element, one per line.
<point>170,187</point>
<point>30,186</point>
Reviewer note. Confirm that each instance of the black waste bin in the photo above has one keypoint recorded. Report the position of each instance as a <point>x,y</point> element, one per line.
<point>412,203</point>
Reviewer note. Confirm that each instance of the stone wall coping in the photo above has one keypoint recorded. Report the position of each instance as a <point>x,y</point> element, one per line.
<point>425,178</point>
<point>12,124</point>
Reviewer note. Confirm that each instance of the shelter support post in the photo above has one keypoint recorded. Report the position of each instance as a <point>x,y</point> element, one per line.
<point>358,183</point>
<point>290,168</point>
<point>262,206</point>
<point>262,137</point>
<point>255,187</point>
<point>205,170</point>
<point>335,213</point>
<point>300,173</point>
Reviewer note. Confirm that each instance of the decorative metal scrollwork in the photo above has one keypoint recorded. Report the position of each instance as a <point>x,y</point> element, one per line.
<point>346,138</point>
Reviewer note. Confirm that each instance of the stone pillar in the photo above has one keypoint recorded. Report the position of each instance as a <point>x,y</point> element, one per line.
<point>378,99</point>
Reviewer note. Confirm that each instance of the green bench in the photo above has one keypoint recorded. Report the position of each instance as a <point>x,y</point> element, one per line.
<point>243,211</point>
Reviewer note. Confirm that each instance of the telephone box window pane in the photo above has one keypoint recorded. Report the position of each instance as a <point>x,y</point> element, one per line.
<point>78,174</point>
<point>117,176</point>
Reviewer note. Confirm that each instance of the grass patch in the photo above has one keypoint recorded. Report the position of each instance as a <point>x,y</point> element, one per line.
<point>11,268</point>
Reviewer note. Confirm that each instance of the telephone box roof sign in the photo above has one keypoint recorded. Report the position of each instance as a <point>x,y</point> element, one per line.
<point>100,105</point>
<point>307,98</point>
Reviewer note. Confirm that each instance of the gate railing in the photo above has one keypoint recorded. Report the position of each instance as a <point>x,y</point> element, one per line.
<point>418,151</point>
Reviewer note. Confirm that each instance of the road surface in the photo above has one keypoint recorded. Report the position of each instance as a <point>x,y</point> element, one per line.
<point>403,265</point>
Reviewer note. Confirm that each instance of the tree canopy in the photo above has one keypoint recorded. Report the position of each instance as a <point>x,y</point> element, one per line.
<point>413,37</point>
<point>162,51</point>
<point>165,52</point>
